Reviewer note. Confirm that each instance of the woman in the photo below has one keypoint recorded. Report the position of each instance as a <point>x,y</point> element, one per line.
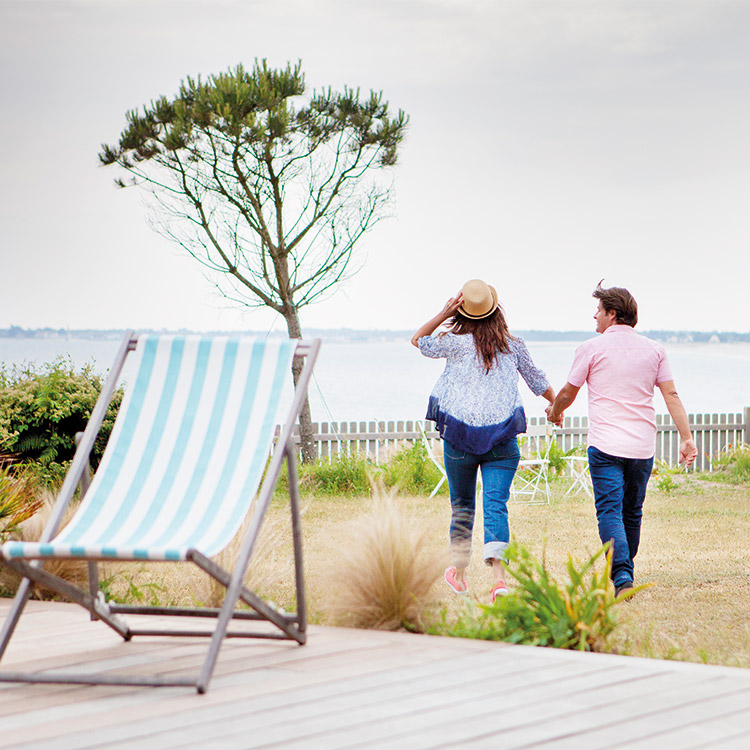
<point>478,413</point>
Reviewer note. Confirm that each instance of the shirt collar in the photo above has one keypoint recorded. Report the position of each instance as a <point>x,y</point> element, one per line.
<point>620,327</point>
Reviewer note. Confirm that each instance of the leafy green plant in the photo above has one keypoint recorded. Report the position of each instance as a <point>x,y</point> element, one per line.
<point>411,471</point>
<point>41,411</point>
<point>666,483</point>
<point>733,464</point>
<point>135,593</point>
<point>577,613</point>
<point>345,474</point>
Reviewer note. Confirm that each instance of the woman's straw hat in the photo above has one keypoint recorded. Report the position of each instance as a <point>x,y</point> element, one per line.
<point>479,299</point>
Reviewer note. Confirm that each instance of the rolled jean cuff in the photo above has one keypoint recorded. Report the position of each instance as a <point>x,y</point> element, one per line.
<point>494,551</point>
<point>461,554</point>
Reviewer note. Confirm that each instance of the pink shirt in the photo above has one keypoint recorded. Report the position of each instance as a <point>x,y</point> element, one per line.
<point>621,369</point>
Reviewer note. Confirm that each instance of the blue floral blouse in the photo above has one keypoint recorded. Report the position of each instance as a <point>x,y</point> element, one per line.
<point>473,409</point>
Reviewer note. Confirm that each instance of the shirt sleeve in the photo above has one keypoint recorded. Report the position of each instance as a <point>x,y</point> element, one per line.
<point>535,378</point>
<point>579,370</point>
<point>439,346</point>
<point>664,371</point>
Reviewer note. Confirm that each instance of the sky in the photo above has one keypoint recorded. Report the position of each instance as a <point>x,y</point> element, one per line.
<point>552,143</point>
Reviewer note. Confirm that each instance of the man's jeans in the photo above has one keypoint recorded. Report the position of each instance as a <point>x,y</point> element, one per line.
<point>619,492</point>
<point>498,468</point>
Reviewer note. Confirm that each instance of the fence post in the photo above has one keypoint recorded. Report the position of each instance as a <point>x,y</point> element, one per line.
<point>747,425</point>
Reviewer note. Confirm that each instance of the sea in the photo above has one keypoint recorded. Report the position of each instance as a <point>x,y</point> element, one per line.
<point>388,379</point>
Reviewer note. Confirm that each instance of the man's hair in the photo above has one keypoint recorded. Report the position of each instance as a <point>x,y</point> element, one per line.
<point>621,301</point>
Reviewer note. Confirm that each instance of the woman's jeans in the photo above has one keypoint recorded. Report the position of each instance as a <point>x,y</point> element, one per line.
<point>498,468</point>
<point>619,491</point>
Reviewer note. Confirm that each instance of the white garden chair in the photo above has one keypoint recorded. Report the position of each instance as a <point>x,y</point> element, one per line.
<point>531,483</point>
<point>431,455</point>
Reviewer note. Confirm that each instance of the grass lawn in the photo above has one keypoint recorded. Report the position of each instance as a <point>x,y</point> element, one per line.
<point>694,550</point>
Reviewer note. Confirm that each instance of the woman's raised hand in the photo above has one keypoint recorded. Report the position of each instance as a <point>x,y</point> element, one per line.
<point>451,306</point>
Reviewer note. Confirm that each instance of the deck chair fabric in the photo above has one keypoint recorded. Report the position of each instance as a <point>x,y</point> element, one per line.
<point>531,482</point>
<point>186,454</point>
<point>178,479</point>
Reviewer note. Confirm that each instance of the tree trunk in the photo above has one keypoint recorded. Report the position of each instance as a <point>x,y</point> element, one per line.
<point>307,442</point>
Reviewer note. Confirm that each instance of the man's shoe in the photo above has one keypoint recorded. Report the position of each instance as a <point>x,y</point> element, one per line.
<point>458,587</point>
<point>623,588</point>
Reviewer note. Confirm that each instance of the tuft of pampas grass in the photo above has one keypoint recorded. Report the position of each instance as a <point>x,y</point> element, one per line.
<point>268,565</point>
<point>30,530</point>
<point>387,571</point>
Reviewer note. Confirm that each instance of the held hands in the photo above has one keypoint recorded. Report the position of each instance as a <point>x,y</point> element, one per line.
<point>552,417</point>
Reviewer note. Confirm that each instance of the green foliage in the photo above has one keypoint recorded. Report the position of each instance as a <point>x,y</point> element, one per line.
<point>346,474</point>
<point>145,593</point>
<point>411,472</point>
<point>41,411</point>
<point>19,500</point>
<point>666,483</point>
<point>733,465</point>
<point>253,178</point>
<point>577,613</point>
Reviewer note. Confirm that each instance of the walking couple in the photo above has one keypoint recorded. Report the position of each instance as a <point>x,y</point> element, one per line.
<point>478,412</point>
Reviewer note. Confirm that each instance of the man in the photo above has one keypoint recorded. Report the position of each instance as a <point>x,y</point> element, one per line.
<point>621,369</point>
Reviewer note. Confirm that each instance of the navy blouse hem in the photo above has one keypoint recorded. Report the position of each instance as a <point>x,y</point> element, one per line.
<point>475,439</point>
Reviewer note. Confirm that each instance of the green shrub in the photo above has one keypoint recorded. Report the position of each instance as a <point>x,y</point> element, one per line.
<point>411,471</point>
<point>733,465</point>
<point>41,411</point>
<point>345,474</point>
<point>577,613</point>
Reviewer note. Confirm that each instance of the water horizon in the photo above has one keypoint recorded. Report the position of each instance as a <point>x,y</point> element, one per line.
<point>384,380</point>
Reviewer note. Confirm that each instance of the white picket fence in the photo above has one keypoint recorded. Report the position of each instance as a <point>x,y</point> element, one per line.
<point>713,433</point>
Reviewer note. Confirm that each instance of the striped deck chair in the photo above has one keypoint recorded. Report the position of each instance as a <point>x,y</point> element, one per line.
<point>179,478</point>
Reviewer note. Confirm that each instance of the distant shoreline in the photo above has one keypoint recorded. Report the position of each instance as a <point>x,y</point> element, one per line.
<point>355,335</point>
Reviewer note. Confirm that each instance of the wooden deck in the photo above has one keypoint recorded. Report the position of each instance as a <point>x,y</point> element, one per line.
<point>360,689</point>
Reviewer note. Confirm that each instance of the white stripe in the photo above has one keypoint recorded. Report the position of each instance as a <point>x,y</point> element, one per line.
<point>211,540</point>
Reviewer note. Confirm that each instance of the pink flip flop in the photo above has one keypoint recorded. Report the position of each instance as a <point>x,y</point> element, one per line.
<point>499,589</point>
<point>458,587</point>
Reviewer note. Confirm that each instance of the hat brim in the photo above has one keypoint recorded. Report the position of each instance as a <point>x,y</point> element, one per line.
<point>487,314</point>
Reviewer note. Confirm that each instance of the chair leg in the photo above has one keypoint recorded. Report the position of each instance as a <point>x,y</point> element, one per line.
<point>299,571</point>
<point>94,604</point>
<point>19,602</point>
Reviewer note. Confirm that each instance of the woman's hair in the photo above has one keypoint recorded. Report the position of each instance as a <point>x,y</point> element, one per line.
<point>491,334</point>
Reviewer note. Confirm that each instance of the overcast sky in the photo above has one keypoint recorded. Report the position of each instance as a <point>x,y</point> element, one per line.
<point>552,143</point>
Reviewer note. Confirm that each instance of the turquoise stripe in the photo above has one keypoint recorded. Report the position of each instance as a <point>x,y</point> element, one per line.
<point>258,464</point>
<point>129,419</point>
<point>151,447</point>
<point>233,453</point>
<point>175,460</point>
<point>212,431</point>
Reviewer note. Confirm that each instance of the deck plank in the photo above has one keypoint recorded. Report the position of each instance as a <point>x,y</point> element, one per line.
<point>353,688</point>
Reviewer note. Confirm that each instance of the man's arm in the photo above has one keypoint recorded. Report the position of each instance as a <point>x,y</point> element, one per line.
<point>676,410</point>
<point>564,399</point>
